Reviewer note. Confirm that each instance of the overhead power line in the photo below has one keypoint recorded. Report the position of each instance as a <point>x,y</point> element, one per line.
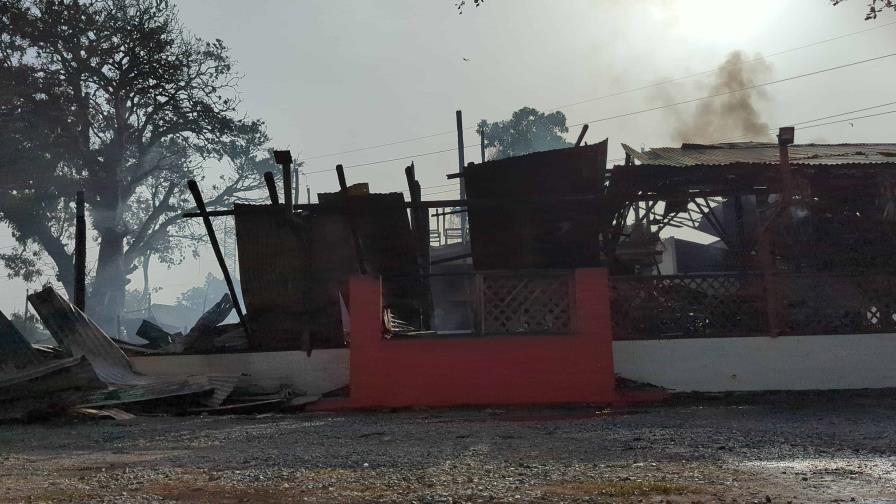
<point>848,119</point>
<point>402,158</point>
<point>720,67</point>
<point>617,93</point>
<point>809,121</point>
<point>638,112</point>
<point>733,91</point>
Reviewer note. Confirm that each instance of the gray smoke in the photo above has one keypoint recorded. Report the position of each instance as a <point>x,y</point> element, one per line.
<point>731,116</point>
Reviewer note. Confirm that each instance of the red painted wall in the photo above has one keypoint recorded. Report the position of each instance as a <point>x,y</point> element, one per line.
<point>490,370</point>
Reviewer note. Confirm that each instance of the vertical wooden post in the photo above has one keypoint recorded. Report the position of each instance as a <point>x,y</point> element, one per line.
<point>340,174</point>
<point>284,159</point>
<point>80,252</point>
<point>216,248</point>
<point>272,187</point>
<point>420,227</point>
<point>582,135</point>
<point>350,217</point>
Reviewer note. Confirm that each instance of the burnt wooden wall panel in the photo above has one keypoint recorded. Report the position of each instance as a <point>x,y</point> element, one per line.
<point>544,235</point>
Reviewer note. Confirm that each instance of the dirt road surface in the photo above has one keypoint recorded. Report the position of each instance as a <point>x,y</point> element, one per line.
<point>772,448</point>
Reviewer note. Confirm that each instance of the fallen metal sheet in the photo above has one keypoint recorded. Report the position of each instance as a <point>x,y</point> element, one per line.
<point>143,393</point>
<point>113,413</point>
<point>249,407</point>
<point>51,376</point>
<point>81,336</point>
<point>154,335</point>
<point>16,353</point>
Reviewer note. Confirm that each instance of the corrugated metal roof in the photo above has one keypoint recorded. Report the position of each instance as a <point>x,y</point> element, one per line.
<point>82,337</point>
<point>752,152</point>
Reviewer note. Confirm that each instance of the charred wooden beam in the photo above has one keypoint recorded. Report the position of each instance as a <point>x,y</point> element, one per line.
<point>80,253</point>
<point>582,135</point>
<point>347,207</point>
<point>216,247</point>
<point>272,187</point>
<point>284,159</point>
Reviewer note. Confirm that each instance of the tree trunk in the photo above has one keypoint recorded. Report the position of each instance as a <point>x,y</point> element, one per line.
<point>106,301</point>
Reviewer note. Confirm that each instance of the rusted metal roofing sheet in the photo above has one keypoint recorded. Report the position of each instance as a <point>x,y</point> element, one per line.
<point>81,336</point>
<point>751,152</point>
<point>548,234</point>
<point>16,353</point>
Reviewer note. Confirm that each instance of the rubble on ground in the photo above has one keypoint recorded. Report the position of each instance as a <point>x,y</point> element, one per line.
<point>90,374</point>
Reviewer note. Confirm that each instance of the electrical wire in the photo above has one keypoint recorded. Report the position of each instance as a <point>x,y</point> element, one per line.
<point>643,111</point>
<point>412,156</point>
<point>617,93</point>
<point>809,121</point>
<point>733,91</point>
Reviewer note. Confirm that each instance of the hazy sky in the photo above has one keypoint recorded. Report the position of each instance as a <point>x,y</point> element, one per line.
<point>333,75</point>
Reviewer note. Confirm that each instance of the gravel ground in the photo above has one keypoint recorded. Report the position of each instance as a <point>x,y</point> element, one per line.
<point>769,448</point>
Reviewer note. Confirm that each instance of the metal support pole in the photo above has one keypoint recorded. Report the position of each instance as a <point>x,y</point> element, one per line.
<point>80,252</point>
<point>216,248</point>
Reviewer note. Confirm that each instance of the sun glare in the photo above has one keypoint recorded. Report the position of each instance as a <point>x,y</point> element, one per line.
<point>718,21</point>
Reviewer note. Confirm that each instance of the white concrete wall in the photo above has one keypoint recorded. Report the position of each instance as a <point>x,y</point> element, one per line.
<point>323,371</point>
<point>761,363</point>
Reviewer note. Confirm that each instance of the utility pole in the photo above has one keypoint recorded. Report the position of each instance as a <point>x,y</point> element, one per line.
<point>482,143</point>
<point>295,191</point>
<point>460,162</point>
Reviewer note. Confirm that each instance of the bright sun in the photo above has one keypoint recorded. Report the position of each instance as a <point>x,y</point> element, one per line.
<point>718,20</point>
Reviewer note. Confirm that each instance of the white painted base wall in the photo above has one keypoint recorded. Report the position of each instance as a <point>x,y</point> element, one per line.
<point>323,371</point>
<point>851,361</point>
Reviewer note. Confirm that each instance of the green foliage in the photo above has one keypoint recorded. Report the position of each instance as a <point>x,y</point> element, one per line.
<point>527,131</point>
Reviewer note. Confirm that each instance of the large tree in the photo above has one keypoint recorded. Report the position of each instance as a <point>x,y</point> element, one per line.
<point>527,130</point>
<point>116,98</point>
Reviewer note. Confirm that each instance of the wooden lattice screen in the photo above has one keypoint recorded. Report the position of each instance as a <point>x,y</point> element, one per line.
<point>692,306</point>
<point>721,305</point>
<point>838,303</point>
<point>524,303</point>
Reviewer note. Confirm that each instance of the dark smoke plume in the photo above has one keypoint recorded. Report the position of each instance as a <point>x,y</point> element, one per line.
<point>732,115</point>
